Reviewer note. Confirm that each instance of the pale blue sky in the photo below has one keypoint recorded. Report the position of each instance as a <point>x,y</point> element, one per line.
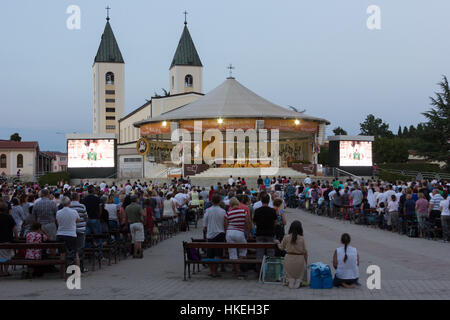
<point>315,54</point>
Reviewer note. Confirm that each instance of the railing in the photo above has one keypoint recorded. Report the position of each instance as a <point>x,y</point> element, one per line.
<point>336,172</point>
<point>420,175</point>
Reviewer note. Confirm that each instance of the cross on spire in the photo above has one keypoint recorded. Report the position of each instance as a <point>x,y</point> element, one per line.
<point>185,16</point>
<point>230,67</point>
<point>107,12</point>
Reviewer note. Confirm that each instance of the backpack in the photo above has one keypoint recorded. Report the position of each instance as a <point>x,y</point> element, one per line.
<point>193,254</point>
<point>320,276</point>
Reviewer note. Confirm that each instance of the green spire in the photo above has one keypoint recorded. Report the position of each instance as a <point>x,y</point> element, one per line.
<point>186,54</point>
<point>108,51</point>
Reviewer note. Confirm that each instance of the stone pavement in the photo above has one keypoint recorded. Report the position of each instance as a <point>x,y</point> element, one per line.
<point>410,269</point>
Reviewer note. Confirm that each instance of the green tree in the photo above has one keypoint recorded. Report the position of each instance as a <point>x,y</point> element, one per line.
<point>387,150</point>
<point>399,132</point>
<point>375,127</point>
<point>434,143</point>
<point>15,137</point>
<point>412,131</point>
<point>339,131</point>
<point>405,132</point>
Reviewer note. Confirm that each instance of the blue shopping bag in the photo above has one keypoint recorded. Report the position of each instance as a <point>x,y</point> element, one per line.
<point>320,276</point>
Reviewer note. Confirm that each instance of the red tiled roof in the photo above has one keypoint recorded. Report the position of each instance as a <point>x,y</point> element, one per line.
<point>8,144</point>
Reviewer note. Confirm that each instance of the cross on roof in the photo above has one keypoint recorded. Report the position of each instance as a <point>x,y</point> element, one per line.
<point>230,67</point>
<point>107,12</point>
<point>185,16</point>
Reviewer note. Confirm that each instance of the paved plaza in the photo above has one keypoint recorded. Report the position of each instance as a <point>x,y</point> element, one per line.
<point>410,269</point>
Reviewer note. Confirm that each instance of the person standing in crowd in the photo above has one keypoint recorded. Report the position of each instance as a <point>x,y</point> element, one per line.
<point>264,220</point>
<point>81,227</point>
<point>111,208</point>
<point>214,229</point>
<point>44,212</point>
<point>67,230</point>
<point>8,233</point>
<point>392,213</point>
<point>357,196</point>
<point>17,213</point>
<point>296,258</point>
<point>422,213</point>
<point>237,221</point>
<point>94,210</point>
<point>278,205</point>
<point>445,216</point>
<point>136,219</point>
<point>434,209</point>
<point>409,208</point>
<point>346,263</point>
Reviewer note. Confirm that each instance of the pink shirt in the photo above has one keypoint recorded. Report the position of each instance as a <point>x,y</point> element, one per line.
<point>422,206</point>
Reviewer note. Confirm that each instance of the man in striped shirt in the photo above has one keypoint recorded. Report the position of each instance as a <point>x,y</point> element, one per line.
<point>81,226</point>
<point>236,222</point>
<point>434,211</point>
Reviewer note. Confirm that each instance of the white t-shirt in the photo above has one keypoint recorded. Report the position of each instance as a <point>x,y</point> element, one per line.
<point>102,186</point>
<point>381,198</point>
<point>444,205</point>
<point>331,194</point>
<point>392,206</point>
<point>230,181</point>
<point>67,222</point>
<point>112,211</point>
<point>128,189</point>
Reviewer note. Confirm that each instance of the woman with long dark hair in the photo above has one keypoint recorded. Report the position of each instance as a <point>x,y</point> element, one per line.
<point>296,257</point>
<point>346,263</point>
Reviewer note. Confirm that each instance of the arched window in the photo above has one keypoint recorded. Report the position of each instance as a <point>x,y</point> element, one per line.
<point>110,78</point>
<point>3,161</point>
<point>19,161</point>
<point>188,81</point>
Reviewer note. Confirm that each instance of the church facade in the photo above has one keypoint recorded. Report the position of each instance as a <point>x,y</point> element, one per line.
<point>144,135</point>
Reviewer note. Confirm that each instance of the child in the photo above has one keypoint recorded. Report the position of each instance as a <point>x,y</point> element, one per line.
<point>381,215</point>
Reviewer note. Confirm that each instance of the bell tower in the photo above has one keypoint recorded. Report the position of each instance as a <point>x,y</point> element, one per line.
<point>186,70</point>
<point>109,84</point>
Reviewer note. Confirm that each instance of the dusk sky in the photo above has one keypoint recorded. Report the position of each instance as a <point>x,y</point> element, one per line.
<point>315,55</point>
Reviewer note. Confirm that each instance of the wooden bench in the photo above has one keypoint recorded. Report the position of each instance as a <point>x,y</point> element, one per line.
<point>220,245</point>
<point>51,261</point>
<point>111,249</point>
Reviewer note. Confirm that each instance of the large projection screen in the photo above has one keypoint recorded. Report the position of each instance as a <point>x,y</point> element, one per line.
<point>355,153</point>
<point>91,153</point>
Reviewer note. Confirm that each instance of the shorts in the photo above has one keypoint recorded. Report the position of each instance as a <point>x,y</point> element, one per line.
<point>51,229</point>
<point>216,252</point>
<point>236,236</point>
<point>137,232</point>
<point>70,243</point>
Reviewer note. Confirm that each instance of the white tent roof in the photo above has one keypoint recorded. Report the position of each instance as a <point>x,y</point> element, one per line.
<point>229,100</point>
